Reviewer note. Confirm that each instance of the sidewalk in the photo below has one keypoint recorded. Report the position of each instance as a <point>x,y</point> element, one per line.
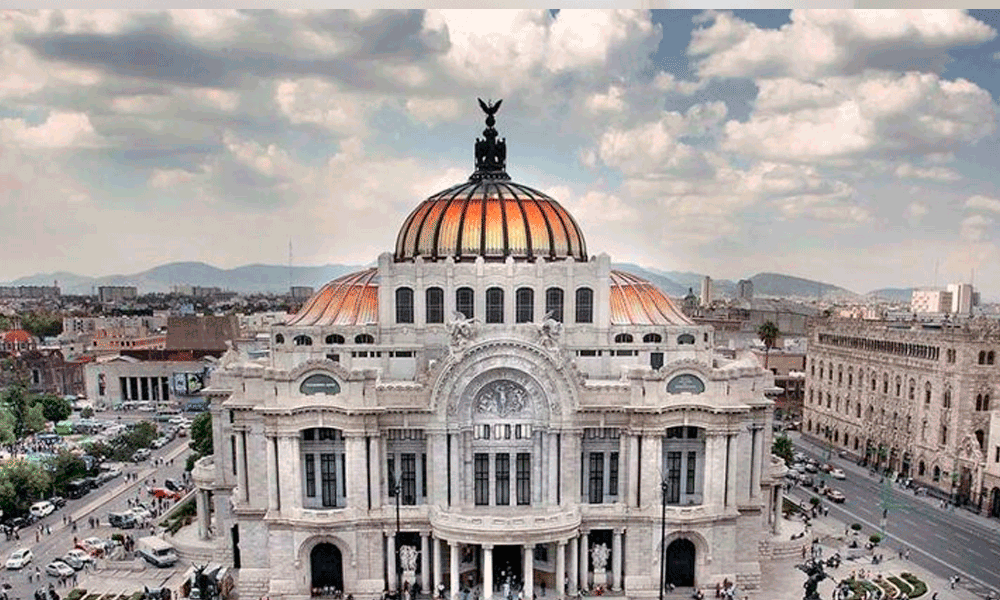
<point>781,580</point>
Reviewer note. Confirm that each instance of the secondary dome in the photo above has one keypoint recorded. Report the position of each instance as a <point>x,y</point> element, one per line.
<point>348,300</point>
<point>635,301</point>
<point>490,215</point>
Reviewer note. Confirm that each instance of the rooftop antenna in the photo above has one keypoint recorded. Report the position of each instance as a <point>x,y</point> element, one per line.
<point>935,273</point>
<point>289,265</point>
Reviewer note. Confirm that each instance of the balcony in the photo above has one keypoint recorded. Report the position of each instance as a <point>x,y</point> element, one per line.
<point>522,525</point>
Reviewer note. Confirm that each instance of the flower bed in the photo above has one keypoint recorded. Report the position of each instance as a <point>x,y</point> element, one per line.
<point>904,588</point>
<point>919,587</point>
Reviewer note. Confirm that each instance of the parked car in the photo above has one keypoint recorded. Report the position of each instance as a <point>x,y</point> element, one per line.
<point>19,522</point>
<point>42,509</point>
<point>141,454</point>
<point>159,443</point>
<point>159,492</point>
<point>838,473</point>
<point>142,513</point>
<point>112,471</point>
<point>835,495</point>
<point>19,558</point>
<point>58,568</point>
<point>174,485</point>
<point>123,520</point>
<point>92,545</point>
<point>79,555</point>
<point>811,467</point>
<point>58,501</point>
<point>73,561</point>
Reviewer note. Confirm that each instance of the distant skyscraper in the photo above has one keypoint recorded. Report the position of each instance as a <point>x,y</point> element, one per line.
<point>962,299</point>
<point>744,289</point>
<point>930,301</point>
<point>706,291</point>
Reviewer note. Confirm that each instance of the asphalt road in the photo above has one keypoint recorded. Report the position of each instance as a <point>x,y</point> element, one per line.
<point>944,541</point>
<point>112,496</point>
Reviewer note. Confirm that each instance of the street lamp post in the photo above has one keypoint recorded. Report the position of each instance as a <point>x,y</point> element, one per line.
<point>663,535</point>
<point>397,490</point>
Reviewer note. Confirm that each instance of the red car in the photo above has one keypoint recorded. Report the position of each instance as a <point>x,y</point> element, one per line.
<point>164,493</point>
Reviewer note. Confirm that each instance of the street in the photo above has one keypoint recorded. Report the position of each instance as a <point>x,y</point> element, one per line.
<point>944,541</point>
<point>112,496</point>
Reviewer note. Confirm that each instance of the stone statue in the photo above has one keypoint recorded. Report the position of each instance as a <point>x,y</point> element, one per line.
<point>462,330</point>
<point>503,398</point>
<point>599,555</point>
<point>408,557</point>
<point>549,332</point>
<point>231,356</point>
<point>815,573</point>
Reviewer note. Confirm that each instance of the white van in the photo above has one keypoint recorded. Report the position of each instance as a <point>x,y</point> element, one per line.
<point>156,551</point>
<point>42,509</point>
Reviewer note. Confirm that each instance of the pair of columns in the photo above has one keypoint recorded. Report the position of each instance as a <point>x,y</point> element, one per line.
<point>578,578</point>
<point>425,565</point>
<point>202,499</point>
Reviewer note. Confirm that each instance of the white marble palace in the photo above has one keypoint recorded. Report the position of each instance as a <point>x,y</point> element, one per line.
<point>490,408</point>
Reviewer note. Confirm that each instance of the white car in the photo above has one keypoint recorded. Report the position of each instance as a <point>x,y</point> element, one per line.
<point>79,555</point>
<point>42,509</point>
<point>838,473</point>
<point>141,513</point>
<point>58,568</point>
<point>19,558</point>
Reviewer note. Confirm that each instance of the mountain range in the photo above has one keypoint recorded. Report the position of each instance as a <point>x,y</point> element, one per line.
<point>276,279</point>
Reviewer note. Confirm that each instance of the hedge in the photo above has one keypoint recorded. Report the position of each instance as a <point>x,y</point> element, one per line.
<point>904,588</point>
<point>76,594</point>
<point>919,587</point>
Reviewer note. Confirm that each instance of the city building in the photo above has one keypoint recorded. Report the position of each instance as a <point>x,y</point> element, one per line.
<point>160,378</point>
<point>489,404</point>
<point>930,301</point>
<point>789,368</point>
<point>301,292</point>
<point>744,290</point>
<point>706,291</point>
<point>102,335</point>
<point>29,291</point>
<point>916,399</point>
<point>44,371</point>
<point>962,298</point>
<point>116,294</point>
<point>197,332</point>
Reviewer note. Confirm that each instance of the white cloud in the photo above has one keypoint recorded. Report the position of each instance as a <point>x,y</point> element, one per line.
<point>974,228</point>
<point>588,39</point>
<point>916,211</point>
<point>996,56</point>
<point>431,111</point>
<point>611,101</point>
<point>169,178</point>
<point>848,117</point>
<point>666,82</point>
<point>819,43</point>
<point>60,130</point>
<point>983,203</point>
<point>942,174</point>
<point>313,100</point>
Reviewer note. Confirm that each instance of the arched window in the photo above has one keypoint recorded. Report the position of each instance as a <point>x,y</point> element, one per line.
<point>584,305</point>
<point>840,374</point>
<point>404,305</point>
<point>913,389</point>
<point>524,305</point>
<point>885,383</point>
<point>946,398</point>
<point>981,438</point>
<point>652,338</point>
<point>554,304</point>
<point>494,305</point>
<point>303,340</point>
<point>990,357</point>
<point>623,338</point>
<point>937,473</point>
<point>812,368</point>
<point>434,297</point>
<point>874,381</point>
<point>850,376</point>
<point>982,357</point>
<point>979,402</point>
<point>986,402</point>
<point>279,339</point>
<point>364,338</point>
<point>334,338</point>
<point>686,339</point>
<point>944,435</point>
<point>821,370</point>
<point>921,469</point>
<point>899,386</point>
<point>857,410</point>
<point>927,393</point>
<point>465,302</point>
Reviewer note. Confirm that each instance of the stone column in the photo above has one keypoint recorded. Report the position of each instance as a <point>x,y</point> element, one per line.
<point>757,437</point>
<point>715,462</point>
<point>453,590</point>
<point>616,560</point>
<point>560,587</point>
<point>436,545</point>
<point>633,470</point>
<point>529,571</point>
<point>202,507</point>
<point>241,476</point>
<point>733,441</point>
<point>437,446</point>
<point>487,571</point>
<point>272,474</point>
<point>582,555</point>
<point>375,471</point>
<point>357,472</point>
<point>290,465</point>
<point>425,562</point>
<point>390,564</point>
<point>570,458</point>
<point>455,468</point>
<point>778,501</point>
<point>537,472</point>
<point>574,564</point>
<point>553,458</point>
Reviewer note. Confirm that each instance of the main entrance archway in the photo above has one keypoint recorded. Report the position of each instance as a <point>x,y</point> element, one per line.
<point>995,503</point>
<point>327,568</point>
<point>680,563</point>
<point>507,566</point>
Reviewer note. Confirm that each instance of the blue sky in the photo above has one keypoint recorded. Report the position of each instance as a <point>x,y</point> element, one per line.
<point>855,147</point>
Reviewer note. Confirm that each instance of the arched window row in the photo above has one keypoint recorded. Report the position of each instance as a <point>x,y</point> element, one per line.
<point>886,346</point>
<point>982,402</point>
<point>987,357</point>
<point>524,304</point>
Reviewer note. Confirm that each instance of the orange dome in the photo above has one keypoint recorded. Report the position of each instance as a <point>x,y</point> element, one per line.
<point>635,301</point>
<point>15,336</point>
<point>348,300</point>
<point>490,218</point>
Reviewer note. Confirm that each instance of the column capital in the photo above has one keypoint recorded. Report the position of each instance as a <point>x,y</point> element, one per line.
<point>562,543</point>
<point>487,547</point>
<point>618,530</point>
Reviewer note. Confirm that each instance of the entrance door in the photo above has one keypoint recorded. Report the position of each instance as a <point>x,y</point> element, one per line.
<point>327,567</point>
<point>680,563</point>
<point>507,569</point>
<point>995,504</point>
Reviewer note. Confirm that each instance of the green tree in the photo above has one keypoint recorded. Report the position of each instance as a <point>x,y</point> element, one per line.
<point>55,408</point>
<point>768,333</point>
<point>782,447</point>
<point>15,398</point>
<point>41,324</point>
<point>27,481</point>
<point>6,426</point>
<point>63,468</point>
<point>34,421</point>
<point>201,434</point>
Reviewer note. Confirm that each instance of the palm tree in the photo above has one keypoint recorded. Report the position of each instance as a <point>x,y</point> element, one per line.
<point>768,333</point>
